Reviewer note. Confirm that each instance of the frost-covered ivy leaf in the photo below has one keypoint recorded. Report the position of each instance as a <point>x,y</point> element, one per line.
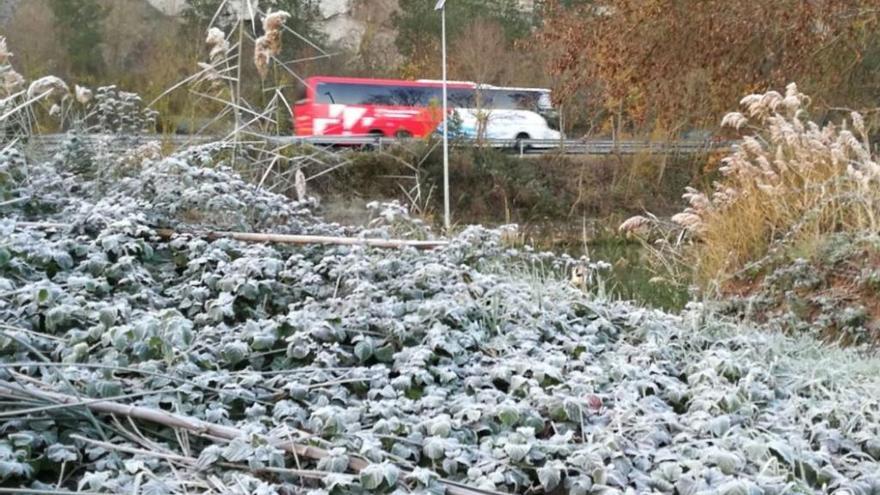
<point>440,426</point>
<point>384,353</point>
<point>133,465</point>
<point>756,451</point>
<point>872,447</point>
<point>238,450</point>
<point>550,475</point>
<point>216,413</point>
<point>107,316</point>
<point>222,307</point>
<point>13,469</point>
<point>158,487</point>
<point>734,488</point>
<point>263,341</point>
<point>333,481</point>
<point>94,480</point>
<point>56,317</point>
<point>364,349</point>
<point>391,473</point>
<point>422,476</point>
<point>669,471</point>
<point>336,461</point>
<point>63,260</point>
<point>209,455</point>
<point>61,453</point>
<point>234,352</point>
<point>255,411</point>
<point>719,426</point>
<point>508,415</point>
<point>374,475</point>
<point>517,451</point>
<point>434,448</point>
<point>106,388</point>
<point>727,462</point>
<point>450,466</point>
<point>782,451</point>
<point>580,485</point>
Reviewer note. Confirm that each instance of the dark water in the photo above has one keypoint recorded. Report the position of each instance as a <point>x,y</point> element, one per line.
<point>632,276</point>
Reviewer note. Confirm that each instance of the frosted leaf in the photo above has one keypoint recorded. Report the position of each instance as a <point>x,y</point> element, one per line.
<point>374,475</point>
<point>238,450</point>
<point>550,475</point>
<point>61,453</point>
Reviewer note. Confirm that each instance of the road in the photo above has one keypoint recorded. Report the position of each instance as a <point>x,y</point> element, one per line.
<point>522,147</point>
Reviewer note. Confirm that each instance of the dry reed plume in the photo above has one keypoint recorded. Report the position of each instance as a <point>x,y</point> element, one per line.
<point>83,95</point>
<point>11,82</point>
<point>268,45</point>
<point>217,46</point>
<point>48,87</point>
<point>788,181</point>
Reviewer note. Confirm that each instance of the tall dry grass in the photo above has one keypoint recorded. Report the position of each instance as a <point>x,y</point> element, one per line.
<point>788,183</point>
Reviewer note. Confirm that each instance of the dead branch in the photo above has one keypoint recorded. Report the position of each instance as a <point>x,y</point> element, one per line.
<point>14,391</point>
<point>272,238</point>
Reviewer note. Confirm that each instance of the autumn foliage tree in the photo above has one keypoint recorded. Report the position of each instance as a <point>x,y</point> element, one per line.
<point>678,64</point>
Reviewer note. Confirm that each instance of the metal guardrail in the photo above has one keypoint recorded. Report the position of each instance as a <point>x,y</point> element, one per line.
<point>522,146</point>
<point>525,146</point>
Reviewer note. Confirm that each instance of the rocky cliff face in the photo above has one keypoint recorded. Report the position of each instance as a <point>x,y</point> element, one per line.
<point>7,10</point>
<point>169,7</point>
<point>362,26</point>
<point>352,23</point>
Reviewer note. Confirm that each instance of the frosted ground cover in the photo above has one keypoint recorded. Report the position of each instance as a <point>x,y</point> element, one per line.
<point>459,366</point>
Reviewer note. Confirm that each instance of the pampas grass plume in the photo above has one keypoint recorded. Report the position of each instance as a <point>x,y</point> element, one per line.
<point>83,94</point>
<point>634,224</point>
<point>51,86</point>
<point>269,44</point>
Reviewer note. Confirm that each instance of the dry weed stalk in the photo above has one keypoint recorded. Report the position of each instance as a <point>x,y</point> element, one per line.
<point>789,180</point>
<point>268,45</point>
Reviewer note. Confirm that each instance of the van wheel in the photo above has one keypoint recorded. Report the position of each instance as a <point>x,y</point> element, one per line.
<point>403,134</point>
<point>519,141</point>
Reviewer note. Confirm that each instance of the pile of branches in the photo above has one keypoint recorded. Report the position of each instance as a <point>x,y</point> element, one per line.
<point>135,363</point>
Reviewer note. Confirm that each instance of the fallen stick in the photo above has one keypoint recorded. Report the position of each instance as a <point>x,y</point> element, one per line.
<point>273,238</point>
<point>192,461</point>
<point>15,391</point>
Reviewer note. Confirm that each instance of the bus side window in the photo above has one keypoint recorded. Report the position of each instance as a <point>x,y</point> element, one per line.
<point>484,98</point>
<point>462,98</point>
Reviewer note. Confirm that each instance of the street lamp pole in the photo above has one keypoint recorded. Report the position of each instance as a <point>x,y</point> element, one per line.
<point>447,222</point>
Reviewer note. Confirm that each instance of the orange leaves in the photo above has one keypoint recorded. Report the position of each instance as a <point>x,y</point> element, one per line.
<point>685,62</point>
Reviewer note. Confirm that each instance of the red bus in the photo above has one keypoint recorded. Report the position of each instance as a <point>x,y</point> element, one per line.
<point>345,106</point>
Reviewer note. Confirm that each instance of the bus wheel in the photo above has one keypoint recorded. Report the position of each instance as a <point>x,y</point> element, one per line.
<point>403,134</point>
<point>520,146</point>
